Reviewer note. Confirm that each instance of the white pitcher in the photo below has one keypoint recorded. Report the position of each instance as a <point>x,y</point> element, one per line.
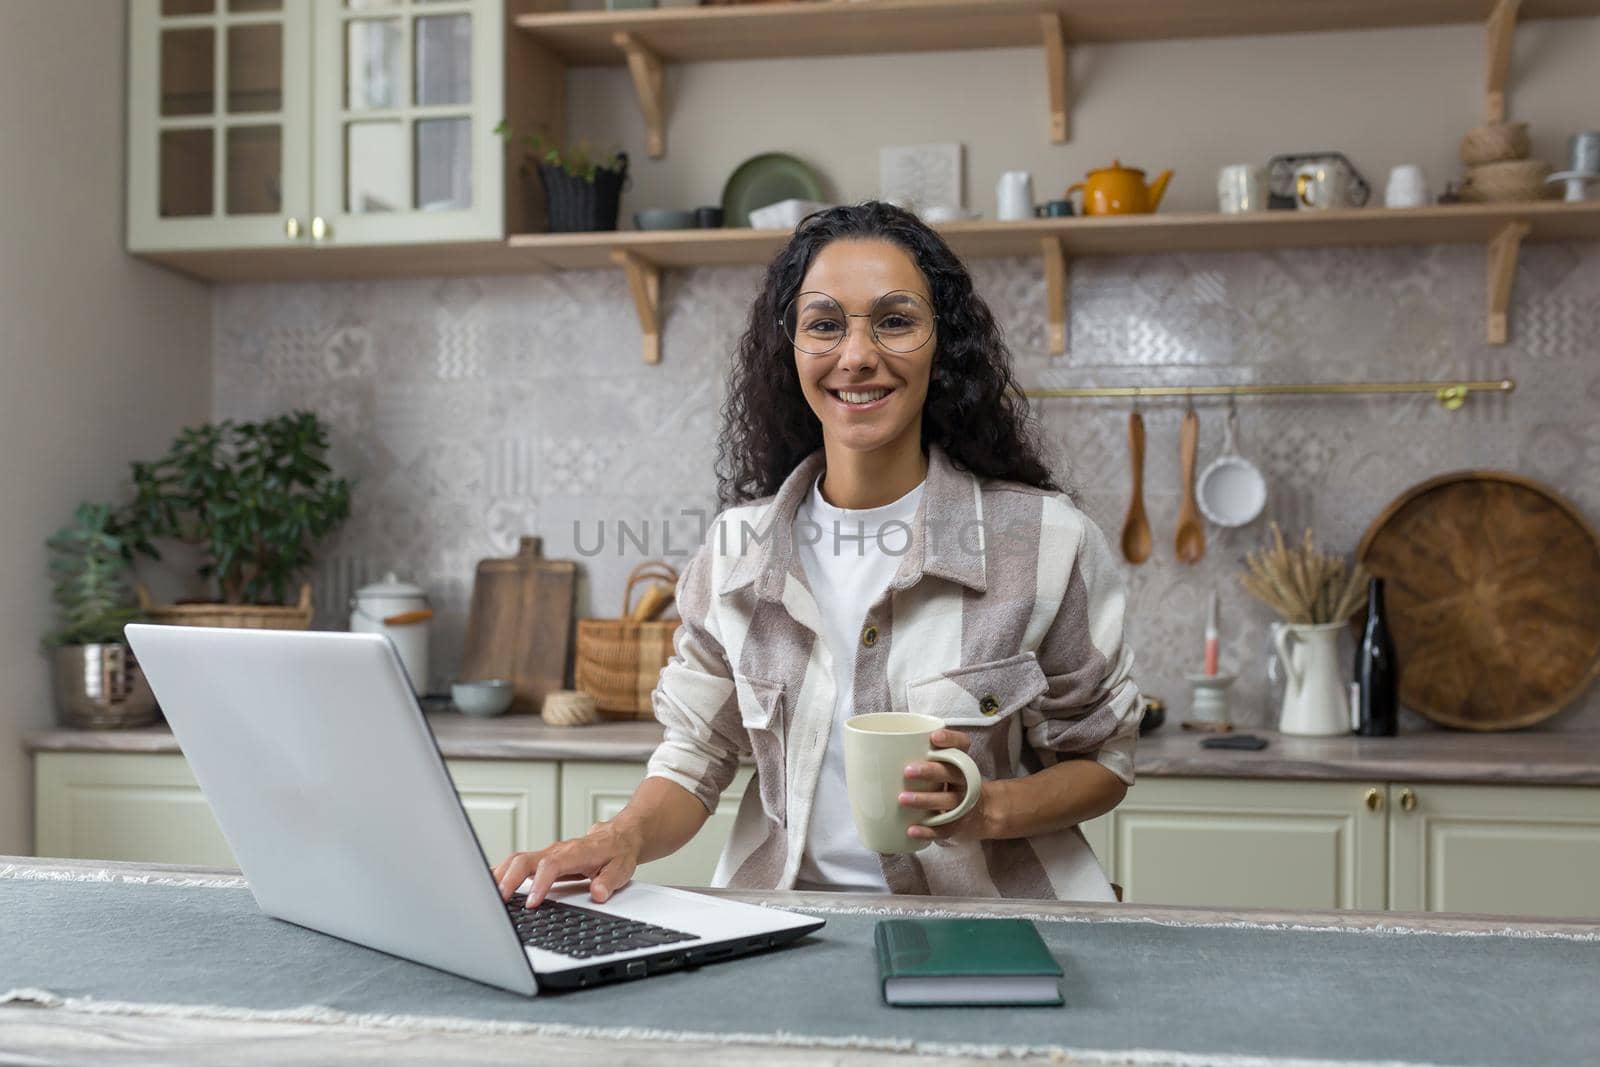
<point>1013,196</point>
<point>1316,701</point>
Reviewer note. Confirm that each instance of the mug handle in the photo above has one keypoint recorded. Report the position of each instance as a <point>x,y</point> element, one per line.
<point>963,762</point>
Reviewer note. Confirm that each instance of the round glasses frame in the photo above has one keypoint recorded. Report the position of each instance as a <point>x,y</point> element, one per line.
<point>872,325</point>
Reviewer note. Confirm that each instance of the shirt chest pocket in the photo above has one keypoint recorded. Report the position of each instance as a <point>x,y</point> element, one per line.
<point>982,700</point>
<point>762,712</point>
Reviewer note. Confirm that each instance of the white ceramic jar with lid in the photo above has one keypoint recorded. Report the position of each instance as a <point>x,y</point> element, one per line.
<point>399,610</point>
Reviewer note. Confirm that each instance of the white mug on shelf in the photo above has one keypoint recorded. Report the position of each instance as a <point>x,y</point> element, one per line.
<point>1322,186</point>
<point>1241,187</point>
<point>1014,196</point>
<point>1408,187</point>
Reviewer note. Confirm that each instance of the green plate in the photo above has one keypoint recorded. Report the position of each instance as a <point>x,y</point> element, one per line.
<point>766,179</point>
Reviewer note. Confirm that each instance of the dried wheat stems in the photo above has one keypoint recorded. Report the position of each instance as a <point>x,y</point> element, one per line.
<point>1302,584</point>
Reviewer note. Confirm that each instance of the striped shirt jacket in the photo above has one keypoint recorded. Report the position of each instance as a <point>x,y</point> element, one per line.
<point>1004,619</point>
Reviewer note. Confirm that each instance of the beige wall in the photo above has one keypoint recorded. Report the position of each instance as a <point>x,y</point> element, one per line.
<point>101,358</point>
<point>1381,97</point>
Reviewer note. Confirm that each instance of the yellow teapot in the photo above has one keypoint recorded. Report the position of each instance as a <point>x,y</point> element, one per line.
<point>1119,190</point>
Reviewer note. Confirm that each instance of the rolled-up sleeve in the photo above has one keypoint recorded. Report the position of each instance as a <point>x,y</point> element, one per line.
<point>694,699</point>
<point>1091,706</point>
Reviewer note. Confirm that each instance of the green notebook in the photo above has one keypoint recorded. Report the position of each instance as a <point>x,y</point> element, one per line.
<point>965,961</point>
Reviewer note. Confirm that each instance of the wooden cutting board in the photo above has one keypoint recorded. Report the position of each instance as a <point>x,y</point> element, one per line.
<point>519,625</point>
<point>1492,588</point>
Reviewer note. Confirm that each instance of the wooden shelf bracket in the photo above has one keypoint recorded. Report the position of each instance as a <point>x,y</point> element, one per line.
<point>1058,75</point>
<point>644,282</point>
<point>1055,284</point>
<point>1502,25</point>
<point>1503,249</point>
<point>650,83</point>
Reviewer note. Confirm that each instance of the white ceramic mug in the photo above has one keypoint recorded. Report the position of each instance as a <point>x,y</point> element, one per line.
<point>1321,186</point>
<point>877,749</point>
<point>1241,187</point>
<point>1408,187</point>
<point>1013,196</point>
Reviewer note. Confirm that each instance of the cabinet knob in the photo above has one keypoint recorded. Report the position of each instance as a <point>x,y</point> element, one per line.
<point>1408,800</point>
<point>1374,800</point>
<point>291,228</point>
<point>320,230</point>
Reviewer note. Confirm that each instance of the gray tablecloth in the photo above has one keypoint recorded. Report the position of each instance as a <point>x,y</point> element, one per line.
<point>1209,994</point>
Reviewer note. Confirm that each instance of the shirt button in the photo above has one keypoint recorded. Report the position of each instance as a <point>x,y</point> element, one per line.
<point>869,636</point>
<point>988,704</point>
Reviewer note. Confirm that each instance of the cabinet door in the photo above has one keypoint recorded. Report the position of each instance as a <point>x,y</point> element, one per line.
<point>511,805</point>
<point>592,792</point>
<point>408,93</point>
<point>142,807</point>
<point>1498,850</point>
<point>219,123</point>
<point>1242,843</point>
<point>147,807</point>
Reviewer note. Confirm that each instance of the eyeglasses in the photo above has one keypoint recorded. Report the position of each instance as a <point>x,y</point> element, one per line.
<point>900,321</point>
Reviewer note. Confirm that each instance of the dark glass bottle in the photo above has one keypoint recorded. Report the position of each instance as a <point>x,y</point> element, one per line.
<point>1377,672</point>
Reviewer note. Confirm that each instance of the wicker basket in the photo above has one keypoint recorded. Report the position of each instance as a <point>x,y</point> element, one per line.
<point>619,660</point>
<point>240,616</point>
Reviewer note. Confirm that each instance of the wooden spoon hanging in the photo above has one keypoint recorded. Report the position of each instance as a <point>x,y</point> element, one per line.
<point>1136,538</point>
<point>1190,543</point>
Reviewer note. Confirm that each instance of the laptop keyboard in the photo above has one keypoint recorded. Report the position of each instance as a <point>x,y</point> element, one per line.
<point>582,933</point>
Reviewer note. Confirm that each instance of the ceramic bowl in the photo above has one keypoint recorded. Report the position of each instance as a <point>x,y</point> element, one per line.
<point>1494,143</point>
<point>484,699</point>
<point>663,218</point>
<point>1510,181</point>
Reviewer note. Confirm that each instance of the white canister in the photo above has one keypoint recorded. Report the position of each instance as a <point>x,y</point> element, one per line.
<point>1013,196</point>
<point>1408,187</point>
<point>1241,187</point>
<point>380,608</point>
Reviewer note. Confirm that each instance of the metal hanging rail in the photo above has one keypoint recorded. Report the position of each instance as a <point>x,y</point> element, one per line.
<point>1450,395</point>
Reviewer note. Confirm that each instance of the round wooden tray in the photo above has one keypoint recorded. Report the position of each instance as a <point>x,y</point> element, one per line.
<point>1492,588</point>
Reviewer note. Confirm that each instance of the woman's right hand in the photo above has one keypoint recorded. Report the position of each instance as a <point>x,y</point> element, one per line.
<point>606,855</point>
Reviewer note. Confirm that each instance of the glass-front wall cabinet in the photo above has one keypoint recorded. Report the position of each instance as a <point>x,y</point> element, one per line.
<point>219,111</point>
<point>255,123</point>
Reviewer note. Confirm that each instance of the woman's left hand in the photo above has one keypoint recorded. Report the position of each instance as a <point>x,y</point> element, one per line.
<point>975,825</point>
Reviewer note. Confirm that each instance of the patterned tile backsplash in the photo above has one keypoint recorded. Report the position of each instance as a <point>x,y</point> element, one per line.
<point>474,411</point>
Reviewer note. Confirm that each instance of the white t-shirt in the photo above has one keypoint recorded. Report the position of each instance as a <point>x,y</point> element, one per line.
<point>848,567</point>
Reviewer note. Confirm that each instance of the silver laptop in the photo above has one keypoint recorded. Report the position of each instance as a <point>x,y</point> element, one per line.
<point>327,783</point>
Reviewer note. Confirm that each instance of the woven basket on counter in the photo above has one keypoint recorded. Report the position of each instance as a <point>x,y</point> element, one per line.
<point>295,616</point>
<point>619,660</point>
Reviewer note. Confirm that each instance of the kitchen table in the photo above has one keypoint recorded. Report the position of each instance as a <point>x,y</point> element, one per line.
<point>1443,989</point>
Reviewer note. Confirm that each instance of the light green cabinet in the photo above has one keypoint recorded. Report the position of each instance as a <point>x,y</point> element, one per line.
<point>594,792</point>
<point>1235,843</point>
<point>319,123</point>
<point>147,807</point>
<point>219,122</point>
<point>1488,849</point>
<point>123,806</point>
<point>1495,850</point>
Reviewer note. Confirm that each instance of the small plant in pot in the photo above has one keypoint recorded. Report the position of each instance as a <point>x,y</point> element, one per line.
<point>98,684</point>
<point>254,498</point>
<point>581,189</point>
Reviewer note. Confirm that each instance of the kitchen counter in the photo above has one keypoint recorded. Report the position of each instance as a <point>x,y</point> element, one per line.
<point>110,1032</point>
<point>1522,758</point>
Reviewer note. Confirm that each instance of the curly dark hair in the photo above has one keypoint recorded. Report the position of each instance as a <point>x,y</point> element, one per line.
<point>974,410</point>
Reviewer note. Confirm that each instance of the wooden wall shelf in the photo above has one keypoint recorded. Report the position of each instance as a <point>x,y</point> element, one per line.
<point>648,39</point>
<point>842,27</point>
<point>1501,228</point>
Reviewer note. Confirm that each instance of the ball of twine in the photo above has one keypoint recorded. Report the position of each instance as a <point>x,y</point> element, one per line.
<point>569,707</point>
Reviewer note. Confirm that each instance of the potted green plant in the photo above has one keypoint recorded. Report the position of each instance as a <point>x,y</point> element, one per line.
<point>254,498</point>
<point>581,188</point>
<point>98,684</point>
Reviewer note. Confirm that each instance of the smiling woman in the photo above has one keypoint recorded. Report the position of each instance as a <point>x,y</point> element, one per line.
<point>891,541</point>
